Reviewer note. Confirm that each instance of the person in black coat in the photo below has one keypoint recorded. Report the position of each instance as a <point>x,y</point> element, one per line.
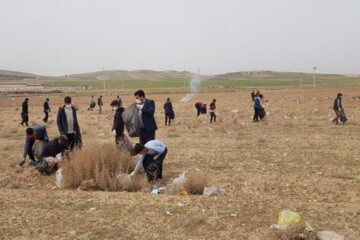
<point>25,112</point>
<point>169,112</point>
<point>55,146</point>
<point>46,110</point>
<point>118,124</point>
<point>68,124</point>
<point>147,110</point>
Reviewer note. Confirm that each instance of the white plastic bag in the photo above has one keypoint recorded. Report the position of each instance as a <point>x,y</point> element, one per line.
<point>213,191</point>
<point>329,235</point>
<point>58,176</point>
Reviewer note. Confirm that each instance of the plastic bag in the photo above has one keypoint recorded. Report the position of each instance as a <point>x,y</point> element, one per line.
<point>213,191</point>
<point>132,120</point>
<point>329,235</point>
<point>37,149</point>
<point>177,184</point>
<point>58,178</point>
<point>287,217</point>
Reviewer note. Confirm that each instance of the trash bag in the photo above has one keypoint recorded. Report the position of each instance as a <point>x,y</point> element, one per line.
<point>329,235</point>
<point>37,149</point>
<point>132,120</point>
<point>287,217</point>
<point>203,109</point>
<point>262,113</point>
<point>172,115</point>
<point>213,191</point>
<point>58,177</point>
<point>77,140</point>
<point>343,117</point>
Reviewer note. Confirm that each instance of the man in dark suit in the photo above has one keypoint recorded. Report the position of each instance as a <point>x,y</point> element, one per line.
<point>146,108</point>
<point>46,110</point>
<point>68,124</point>
<point>25,112</point>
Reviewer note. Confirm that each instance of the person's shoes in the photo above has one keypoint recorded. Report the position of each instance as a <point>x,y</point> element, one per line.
<point>22,124</point>
<point>33,163</point>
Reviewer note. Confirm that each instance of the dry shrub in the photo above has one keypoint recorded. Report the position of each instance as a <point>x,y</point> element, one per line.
<point>96,166</point>
<point>196,181</point>
<point>293,232</point>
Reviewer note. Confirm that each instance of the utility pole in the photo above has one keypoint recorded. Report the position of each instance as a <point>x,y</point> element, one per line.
<point>314,81</point>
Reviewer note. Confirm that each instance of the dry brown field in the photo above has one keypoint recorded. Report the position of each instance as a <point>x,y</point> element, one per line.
<point>295,159</point>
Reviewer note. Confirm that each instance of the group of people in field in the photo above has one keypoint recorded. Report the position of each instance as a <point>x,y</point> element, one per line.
<point>45,154</point>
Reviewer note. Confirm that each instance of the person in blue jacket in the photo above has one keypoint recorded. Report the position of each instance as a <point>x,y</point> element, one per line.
<point>147,110</point>
<point>36,132</point>
<point>257,108</point>
<point>68,124</point>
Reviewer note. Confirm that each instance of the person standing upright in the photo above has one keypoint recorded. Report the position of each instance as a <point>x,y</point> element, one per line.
<point>67,122</point>
<point>100,103</point>
<point>91,103</point>
<point>146,108</point>
<point>212,111</point>
<point>169,112</point>
<point>25,112</point>
<point>339,110</point>
<point>46,110</point>
<point>257,108</point>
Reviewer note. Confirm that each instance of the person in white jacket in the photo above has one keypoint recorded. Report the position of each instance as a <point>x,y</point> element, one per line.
<point>152,156</point>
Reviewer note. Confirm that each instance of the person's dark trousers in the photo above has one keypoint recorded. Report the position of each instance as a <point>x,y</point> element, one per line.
<point>212,117</point>
<point>167,117</point>
<point>46,116</point>
<point>256,114</point>
<point>153,167</point>
<point>198,112</point>
<point>71,139</point>
<point>30,152</point>
<point>25,119</point>
<point>146,136</point>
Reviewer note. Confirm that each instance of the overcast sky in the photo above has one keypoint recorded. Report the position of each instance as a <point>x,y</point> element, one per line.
<point>217,36</point>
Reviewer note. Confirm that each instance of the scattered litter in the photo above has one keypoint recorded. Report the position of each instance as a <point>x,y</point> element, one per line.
<point>233,215</point>
<point>180,204</point>
<point>58,177</point>
<point>182,192</point>
<point>177,183</point>
<point>92,209</point>
<point>287,217</point>
<point>329,235</point>
<point>286,117</point>
<point>155,191</point>
<point>123,178</point>
<point>169,213</point>
<point>213,191</point>
<point>235,111</point>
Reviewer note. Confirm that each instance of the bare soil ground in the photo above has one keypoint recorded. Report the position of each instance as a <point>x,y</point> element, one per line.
<point>295,159</point>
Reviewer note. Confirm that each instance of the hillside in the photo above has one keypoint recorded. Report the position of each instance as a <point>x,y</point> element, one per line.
<point>13,75</point>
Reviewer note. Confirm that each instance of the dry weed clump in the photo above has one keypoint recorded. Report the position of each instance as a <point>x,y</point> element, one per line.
<point>193,182</point>
<point>293,232</point>
<point>196,181</point>
<point>96,166</point>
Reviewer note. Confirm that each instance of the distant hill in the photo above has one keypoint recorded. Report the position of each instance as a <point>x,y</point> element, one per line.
<point>136,74</point>
<point>12,75</point>
<point>161,75</point>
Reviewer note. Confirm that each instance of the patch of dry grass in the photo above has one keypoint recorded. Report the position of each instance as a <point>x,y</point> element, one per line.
<point>196,181</point>
<point>96,166</point>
